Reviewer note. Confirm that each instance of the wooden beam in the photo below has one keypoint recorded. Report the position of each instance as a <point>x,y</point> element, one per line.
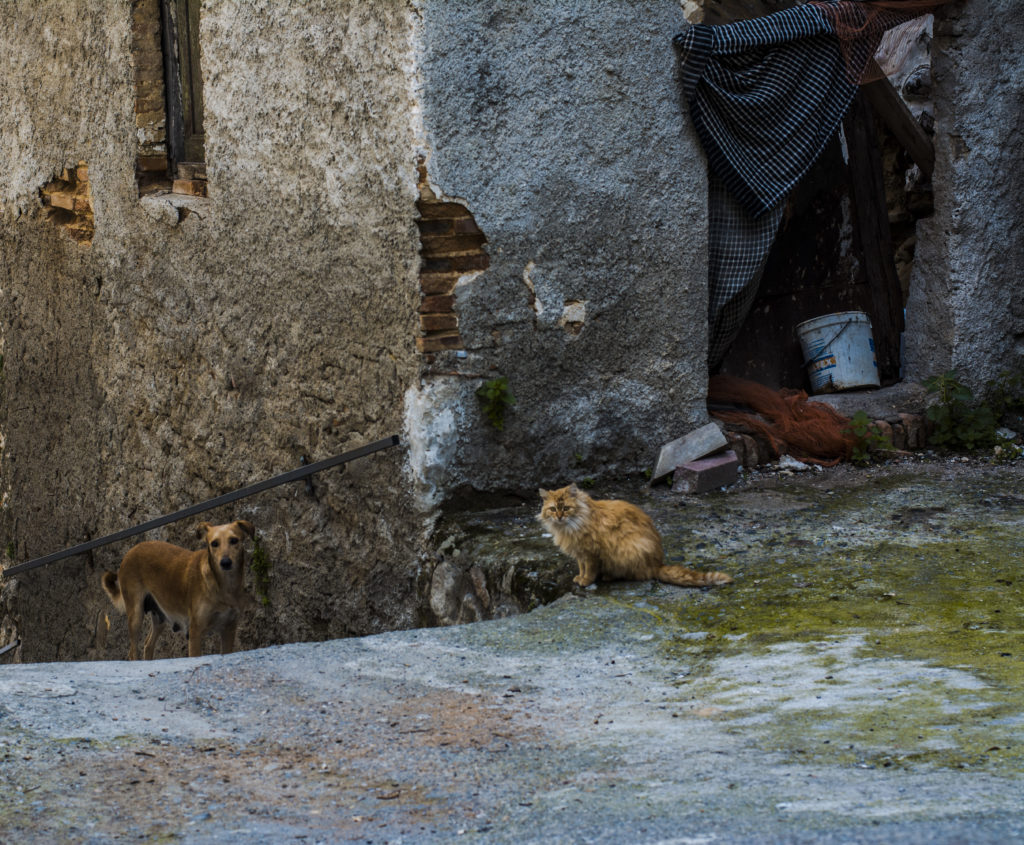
<point>889,107</point>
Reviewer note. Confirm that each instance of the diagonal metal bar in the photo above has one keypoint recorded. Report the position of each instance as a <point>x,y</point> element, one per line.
<point>227,498</point>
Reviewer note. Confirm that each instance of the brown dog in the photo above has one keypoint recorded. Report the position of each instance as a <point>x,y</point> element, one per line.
<point>199,590</point>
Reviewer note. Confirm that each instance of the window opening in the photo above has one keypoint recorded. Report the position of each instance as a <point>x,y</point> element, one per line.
<point>169,97</point>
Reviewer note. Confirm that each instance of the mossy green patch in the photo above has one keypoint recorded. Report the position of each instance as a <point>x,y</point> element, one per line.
<point>941,621</point>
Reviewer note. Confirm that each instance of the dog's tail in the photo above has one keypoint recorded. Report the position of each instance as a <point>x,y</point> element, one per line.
<point>113,590</point>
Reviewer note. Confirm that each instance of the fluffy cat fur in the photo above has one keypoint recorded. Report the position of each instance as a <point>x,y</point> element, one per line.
<point>613,540</point>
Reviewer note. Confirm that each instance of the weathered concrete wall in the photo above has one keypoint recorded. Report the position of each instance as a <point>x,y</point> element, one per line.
<point>161,352</point>
<point>560,127</point>
<point>170,361</point>
<point>964,311</point>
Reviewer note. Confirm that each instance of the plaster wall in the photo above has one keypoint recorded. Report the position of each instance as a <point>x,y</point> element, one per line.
<point>180,356</point>
<point>963,311</point>
<point>560,126</point>
<point>174,352</point>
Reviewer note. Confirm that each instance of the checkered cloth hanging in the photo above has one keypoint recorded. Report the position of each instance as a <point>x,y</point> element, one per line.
<point>765,96</point>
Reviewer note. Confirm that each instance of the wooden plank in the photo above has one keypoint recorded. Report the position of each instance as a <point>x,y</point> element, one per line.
<point>871,226</point>
<point>888,105</point>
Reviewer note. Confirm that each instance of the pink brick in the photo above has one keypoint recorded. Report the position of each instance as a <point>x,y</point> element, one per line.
<point>706,474</point>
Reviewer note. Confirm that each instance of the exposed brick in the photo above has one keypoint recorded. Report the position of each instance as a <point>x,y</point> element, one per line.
<point>438,283</point>
<point>437,304</point>
<point>150,104</point>
<point>82,204</point>
<point>62,199</point>
<point>915,428</point>
<point>438,322</point>
<point>439,245</point>
<point>466,263</point>
<point>191,169</point>
<point>436,265</point>
<point>439,342</point>
<point>899,436</point>
<point>443,226</point>
<point>148,85</point>
<point>152,164</point>
<point>466,226</point>
<point>706,474</point>
<point>434,210</point>
<point>150,118</point>
<point>192,187</point>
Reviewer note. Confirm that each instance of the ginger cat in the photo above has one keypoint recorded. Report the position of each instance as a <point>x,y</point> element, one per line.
<point>613,540</point>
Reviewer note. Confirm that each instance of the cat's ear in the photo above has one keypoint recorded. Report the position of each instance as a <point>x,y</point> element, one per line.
<point>574,489</point>
<point>543,493</point>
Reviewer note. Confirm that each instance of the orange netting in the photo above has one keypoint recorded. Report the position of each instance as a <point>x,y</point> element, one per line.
<point>860,24</point>
<point>811,431</point>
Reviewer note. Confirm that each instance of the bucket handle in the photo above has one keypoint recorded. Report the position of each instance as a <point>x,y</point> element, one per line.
<point>835,337</point>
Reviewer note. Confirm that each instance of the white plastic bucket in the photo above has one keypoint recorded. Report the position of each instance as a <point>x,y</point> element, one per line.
<point>839,351</point>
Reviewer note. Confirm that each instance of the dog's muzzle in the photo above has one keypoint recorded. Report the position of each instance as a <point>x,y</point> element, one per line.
<point>225,563</point>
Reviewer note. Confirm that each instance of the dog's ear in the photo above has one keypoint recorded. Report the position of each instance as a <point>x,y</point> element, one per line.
<point>201,530</point>
<point>247,527</point>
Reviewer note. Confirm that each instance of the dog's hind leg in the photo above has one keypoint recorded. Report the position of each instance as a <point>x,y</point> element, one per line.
<point>159,622</point>
<point>135,614</point>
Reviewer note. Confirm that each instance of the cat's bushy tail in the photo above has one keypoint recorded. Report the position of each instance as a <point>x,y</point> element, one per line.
<point>683,576</point>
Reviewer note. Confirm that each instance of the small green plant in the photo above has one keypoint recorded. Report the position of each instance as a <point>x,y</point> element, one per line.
<point>958,420</point>
<point>587,483</point>
<point>867,438</point>
<point>260,568</point>
<point>496,398</point>
<point>10,549</point>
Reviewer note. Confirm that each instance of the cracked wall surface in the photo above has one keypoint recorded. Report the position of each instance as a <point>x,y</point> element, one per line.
<point>561,128</point>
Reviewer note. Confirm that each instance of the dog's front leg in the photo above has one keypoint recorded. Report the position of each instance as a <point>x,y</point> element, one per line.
<point>195,638</point>
<point>227,636</point>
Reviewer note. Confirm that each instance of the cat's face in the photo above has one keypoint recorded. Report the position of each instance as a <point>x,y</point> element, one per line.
<point>563,508</point>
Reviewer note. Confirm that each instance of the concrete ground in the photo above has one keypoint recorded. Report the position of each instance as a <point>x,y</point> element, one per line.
<point>860,682</point>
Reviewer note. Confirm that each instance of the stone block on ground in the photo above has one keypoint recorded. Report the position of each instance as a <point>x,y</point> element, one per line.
<point>706,474</point>
<point>698,443</point>
<point>914,426</point>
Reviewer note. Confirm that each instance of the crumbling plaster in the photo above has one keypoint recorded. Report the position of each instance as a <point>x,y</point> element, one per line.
<point>561,128</point>
<point>965,310</point>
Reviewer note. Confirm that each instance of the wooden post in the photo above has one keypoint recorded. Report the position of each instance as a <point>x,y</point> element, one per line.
<point>871,226</point>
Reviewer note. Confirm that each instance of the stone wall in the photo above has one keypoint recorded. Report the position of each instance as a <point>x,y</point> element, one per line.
<point>402,200</point>
<point>964,311</point>
<point>190,348</point>
<point>560,128</point>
